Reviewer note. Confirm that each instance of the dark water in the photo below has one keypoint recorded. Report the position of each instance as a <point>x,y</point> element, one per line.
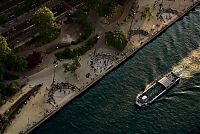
<point>108,107</point>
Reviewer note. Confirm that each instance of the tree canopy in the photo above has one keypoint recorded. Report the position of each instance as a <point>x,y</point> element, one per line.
<point>116,39</point>
<point>147,13</point>
<point>33,59</point>
<point>72,67</point>
<point>4,46</point>
<point>15,62</point>
<point>9,59</point>
<point>8,90</point>
<point>44,19</point>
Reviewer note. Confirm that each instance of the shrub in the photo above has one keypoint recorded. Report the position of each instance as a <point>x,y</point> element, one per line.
<point>66,54</point>
<point>69,54</point>
<point>89,44</point>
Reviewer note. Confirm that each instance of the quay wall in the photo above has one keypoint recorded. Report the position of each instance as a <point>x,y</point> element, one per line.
<point>118,63</point>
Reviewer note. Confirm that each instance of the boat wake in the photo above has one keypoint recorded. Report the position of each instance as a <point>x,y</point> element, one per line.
<point>189,65</point>
<point>165,98</point>
<point>172,96</point>
<point>181,93</point>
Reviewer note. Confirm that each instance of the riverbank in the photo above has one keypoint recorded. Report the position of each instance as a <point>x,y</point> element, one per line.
<point>117,63</point>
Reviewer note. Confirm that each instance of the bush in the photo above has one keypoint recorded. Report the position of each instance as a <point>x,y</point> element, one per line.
<point>69,54</point>
<point>89,44</point>
<point>66,54</point>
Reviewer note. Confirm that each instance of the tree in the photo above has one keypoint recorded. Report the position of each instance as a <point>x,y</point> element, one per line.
<point>147,13</point>
<point>8,90</point>
<point>4,49</point>
<point>15,62</point>
<point>72,67</point>
<point>12,88</point>
<point>20,64</point>
<point>34,59</point>
<point>44,19</point>
<point>117,40</point>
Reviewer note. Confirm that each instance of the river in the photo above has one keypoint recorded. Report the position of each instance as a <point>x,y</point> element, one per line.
<point>108,106</point>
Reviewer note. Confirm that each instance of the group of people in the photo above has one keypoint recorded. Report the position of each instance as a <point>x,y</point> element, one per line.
<point>101,61</point>
<point>168,11</point>
<point>61,87</point>
<point>139,31</point>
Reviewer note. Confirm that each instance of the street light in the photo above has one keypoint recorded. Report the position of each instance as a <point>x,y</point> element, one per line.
<point>54,73</point>
<point>129,31</point>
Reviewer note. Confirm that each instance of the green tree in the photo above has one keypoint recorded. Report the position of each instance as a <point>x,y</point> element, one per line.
<point>9,90</point>
<point>10,59</point>
<point>72,67</point>
<point>4,49</point>
<point>147,13</point>
<point>12,88</point>
<point>15,62</point>
<point>117,40</point>
<point>44,19</point>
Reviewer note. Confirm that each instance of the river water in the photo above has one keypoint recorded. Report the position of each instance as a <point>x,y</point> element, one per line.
<point>108,107</point>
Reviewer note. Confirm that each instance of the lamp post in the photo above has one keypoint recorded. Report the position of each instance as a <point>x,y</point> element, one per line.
<point>129,31</point>
<point>54,73</point>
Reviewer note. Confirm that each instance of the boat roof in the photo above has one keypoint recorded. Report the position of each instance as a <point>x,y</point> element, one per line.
<point>167,80</point>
